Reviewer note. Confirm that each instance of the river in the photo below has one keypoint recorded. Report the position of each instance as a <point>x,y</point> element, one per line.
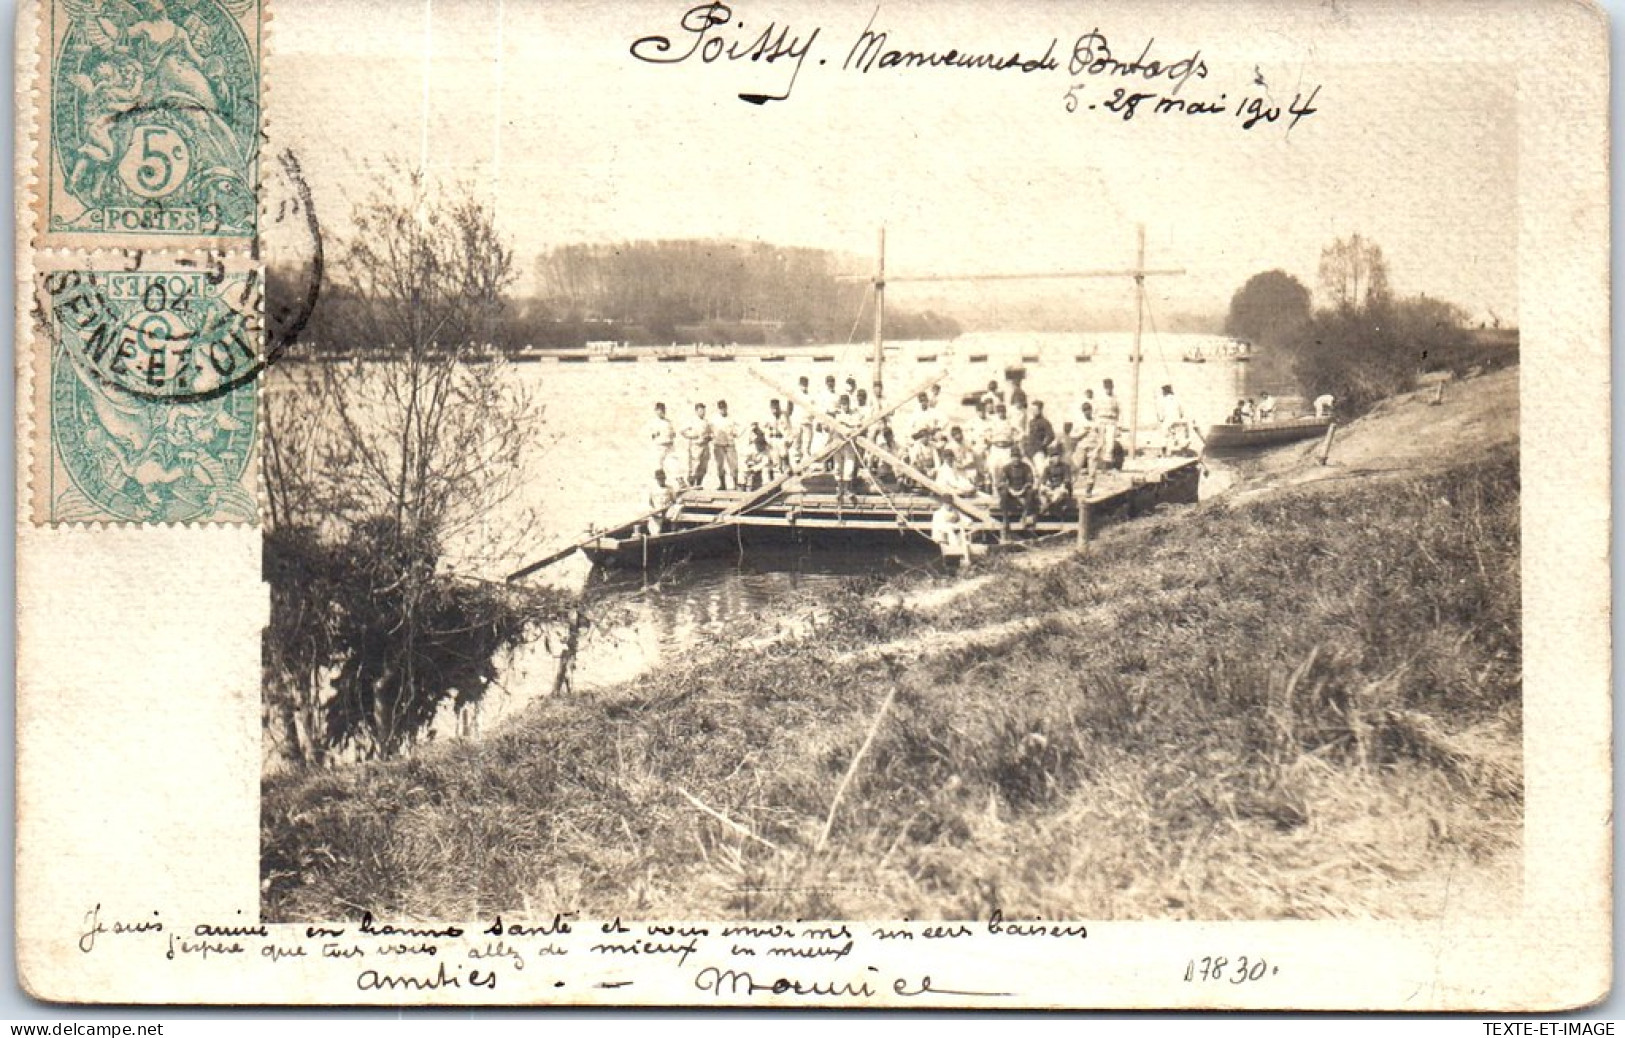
<point>591,471</point>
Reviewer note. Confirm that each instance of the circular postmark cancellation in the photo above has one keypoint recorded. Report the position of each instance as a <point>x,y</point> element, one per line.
<point>153,386</point>
<point>179,336</point>
<point>155,117</point>
<point>290,247</point>
<point>152,406</point>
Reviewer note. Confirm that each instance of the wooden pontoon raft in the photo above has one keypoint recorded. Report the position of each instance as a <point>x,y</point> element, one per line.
<point>892,511</point>
<point>807,513</point>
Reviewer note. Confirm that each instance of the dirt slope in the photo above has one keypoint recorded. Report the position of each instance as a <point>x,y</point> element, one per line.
<point>1407,434</point>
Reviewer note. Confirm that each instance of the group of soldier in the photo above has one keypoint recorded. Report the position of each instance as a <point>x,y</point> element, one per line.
<point>1008,448</point>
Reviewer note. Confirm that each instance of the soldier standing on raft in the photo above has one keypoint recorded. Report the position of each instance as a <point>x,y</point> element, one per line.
<point>725,444</point>
<point>1108,413</point>
<point>1176,428</point>
<point>662,435</point>
<point>1040,433</point>
<point>698,434</point>
<point>846,458</point>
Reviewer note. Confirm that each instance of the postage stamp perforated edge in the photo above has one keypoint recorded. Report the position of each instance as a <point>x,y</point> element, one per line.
<point>26,205</point>
<point>37,250</point>
<point>39,25</point>
<point>183,454</point>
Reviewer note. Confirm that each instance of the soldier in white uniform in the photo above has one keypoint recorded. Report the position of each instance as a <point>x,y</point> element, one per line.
<point>662,436</point>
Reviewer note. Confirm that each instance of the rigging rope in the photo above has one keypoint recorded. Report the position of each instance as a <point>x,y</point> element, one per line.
<point>863,304</point>
<point>1162,357</point>
<point>851,337</point>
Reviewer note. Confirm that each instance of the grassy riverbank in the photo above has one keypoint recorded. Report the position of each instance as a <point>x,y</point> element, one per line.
<point>1304,703</point>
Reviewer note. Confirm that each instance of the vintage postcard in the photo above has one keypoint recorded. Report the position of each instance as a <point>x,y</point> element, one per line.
<point>813,504</point>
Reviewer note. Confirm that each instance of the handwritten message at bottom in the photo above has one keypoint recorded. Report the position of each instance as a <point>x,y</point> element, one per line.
<point>562,958</point>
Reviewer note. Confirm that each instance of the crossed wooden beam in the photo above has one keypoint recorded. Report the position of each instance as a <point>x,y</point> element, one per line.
<point>842,436</point>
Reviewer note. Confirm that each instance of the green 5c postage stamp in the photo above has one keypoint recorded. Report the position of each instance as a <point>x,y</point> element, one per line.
<point>151,397</point>
<point>154,120</point>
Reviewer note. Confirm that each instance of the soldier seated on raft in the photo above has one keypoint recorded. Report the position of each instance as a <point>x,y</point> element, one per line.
<point>1017,488</point>
<point>947,527</point>
<point>1266,407</point>
<point>662,499</point>
<point>758,459</point>
<point>1055,483</point>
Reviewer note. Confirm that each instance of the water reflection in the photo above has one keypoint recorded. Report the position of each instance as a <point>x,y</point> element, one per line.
<point>644,621</point>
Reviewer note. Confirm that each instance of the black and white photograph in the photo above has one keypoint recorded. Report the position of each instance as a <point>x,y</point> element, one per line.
<point>837,504</point>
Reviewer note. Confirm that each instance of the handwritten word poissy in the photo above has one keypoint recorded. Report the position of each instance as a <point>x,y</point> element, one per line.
<point>705,24</point>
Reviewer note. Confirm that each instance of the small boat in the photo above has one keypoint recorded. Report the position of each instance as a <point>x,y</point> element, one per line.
<point>1232,437</point>
<point>1194,358</point>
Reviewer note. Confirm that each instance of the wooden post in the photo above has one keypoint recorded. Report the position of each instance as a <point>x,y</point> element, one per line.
<point>880,321</point>
<point>1139,327</point>
<point>1438,393</point>
<point>1326,445</point>
<point>1085,523</point>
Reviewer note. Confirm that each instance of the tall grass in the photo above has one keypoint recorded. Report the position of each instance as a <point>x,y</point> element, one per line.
<point>1305,706</point>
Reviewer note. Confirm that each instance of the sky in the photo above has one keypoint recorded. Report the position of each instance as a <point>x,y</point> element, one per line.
<point>543,109</point>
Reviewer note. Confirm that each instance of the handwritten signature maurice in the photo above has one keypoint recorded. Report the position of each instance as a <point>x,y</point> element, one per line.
<point>713,32</point>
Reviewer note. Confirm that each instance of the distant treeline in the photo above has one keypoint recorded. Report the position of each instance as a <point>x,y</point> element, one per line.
<point>652,293</point>
<point>718,291</point>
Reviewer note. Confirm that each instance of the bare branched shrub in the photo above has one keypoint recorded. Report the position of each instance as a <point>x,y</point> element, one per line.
<point>381,475</point>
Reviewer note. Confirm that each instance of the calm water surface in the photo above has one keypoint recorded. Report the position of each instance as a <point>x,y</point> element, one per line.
<point>592,468</point>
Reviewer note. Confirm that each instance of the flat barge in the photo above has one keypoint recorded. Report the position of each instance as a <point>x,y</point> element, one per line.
<point>807,513</point>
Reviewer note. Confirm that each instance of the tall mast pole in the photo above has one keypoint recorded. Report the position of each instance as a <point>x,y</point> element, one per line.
<point>880,317</point>
<point>1139,327</point>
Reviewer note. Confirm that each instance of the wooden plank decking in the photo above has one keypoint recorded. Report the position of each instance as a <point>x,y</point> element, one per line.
<point>704,523</point>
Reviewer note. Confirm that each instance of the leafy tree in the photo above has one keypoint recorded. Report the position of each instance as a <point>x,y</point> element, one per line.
<point>1361,356</point>
<point>378,475</point>
<point>1268,307</point>
<point>1362,344</point>
<point>1354,275</point>
<point>1354,356</point>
